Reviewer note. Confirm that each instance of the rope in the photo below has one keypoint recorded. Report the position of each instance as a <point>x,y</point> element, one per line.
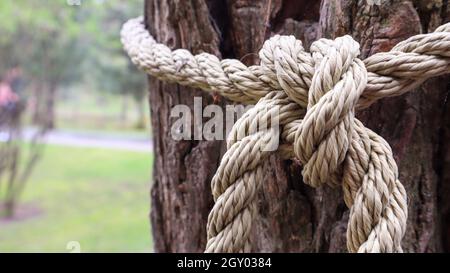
<point>315,95</point>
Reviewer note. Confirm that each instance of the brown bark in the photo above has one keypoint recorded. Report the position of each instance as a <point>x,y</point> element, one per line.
<point>292,216</point>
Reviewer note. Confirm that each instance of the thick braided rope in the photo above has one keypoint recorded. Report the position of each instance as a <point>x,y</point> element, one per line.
<point>391,73</point>
<point>332,145</point>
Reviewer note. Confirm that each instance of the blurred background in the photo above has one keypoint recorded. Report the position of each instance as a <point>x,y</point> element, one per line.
<point>75,149</point>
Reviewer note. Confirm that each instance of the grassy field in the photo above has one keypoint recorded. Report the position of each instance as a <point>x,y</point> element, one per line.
<point>87,111</point>
<point>94,196</point>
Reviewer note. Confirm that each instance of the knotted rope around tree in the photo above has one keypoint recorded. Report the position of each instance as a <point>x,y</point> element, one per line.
<point>315,95</point>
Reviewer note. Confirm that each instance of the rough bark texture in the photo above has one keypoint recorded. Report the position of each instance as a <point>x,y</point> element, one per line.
<point>292,216</point>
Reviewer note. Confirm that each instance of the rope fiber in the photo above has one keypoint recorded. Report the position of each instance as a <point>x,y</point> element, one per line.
<point>315,95</point>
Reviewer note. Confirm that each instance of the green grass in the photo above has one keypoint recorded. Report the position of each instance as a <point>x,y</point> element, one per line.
<point>97,197</point>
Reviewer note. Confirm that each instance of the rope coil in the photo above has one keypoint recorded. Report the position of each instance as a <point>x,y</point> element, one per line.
<point>316,95</point>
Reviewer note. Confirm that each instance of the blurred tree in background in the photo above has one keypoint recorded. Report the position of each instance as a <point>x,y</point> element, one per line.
<point>114,71</point>
<point>56,47</point>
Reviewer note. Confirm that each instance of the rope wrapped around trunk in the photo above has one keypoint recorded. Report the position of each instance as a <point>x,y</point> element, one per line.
<point>314,95</point>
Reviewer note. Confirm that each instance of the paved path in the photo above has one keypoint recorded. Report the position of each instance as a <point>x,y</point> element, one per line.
<point>95,140</point>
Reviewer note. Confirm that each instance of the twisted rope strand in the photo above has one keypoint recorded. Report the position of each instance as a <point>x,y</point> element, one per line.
<point>314,97</point>
<point>426,55</point>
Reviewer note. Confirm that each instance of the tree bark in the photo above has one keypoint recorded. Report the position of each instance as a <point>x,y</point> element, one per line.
<point>292,216</point>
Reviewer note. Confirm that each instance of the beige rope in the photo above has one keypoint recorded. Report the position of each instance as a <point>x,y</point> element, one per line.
<point>315,96</point>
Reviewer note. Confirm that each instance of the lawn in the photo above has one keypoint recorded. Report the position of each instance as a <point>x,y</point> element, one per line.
<point>92,111</point>
<point>97,197</point>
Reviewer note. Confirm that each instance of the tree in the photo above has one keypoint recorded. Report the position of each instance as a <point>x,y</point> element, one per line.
<point>292,216</point>
<point>115,72</point>
<point>33,42</point>
<point>53,45</point>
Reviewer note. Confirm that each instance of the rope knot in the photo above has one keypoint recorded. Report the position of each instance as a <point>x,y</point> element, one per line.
<point>328,83</point>
<point>324,135</point>
<point>331,144</point>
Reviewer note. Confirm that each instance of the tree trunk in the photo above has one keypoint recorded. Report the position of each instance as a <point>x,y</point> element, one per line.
<point>292,216</point>
<point>49,115</point>
<point>141,112</point>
